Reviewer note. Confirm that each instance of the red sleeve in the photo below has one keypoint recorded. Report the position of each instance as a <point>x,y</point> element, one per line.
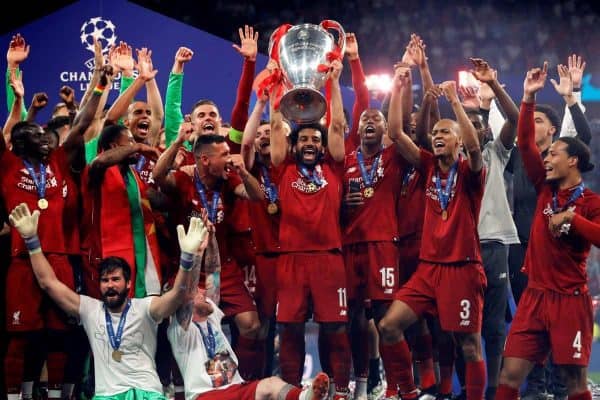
<point>526,142</point>
<point>361,101</point>
<point>588,228</point>
<point>427,160</point>
<point>233,180</point>
<point>239,114</point>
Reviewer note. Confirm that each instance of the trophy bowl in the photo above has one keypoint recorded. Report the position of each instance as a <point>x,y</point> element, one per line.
<point>301,52</point>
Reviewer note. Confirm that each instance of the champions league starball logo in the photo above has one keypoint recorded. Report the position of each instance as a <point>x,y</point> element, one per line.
<point>101,29</point>
<point>94,28</point>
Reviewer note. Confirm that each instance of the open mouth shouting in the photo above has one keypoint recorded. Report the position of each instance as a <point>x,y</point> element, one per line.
<point>143,128</point>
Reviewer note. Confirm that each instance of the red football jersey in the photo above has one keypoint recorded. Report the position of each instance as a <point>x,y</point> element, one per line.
<point>410,207</point>
<point>192,204</point>
<point>310,218</point>
<point>376,219</point>
<point>558,264</point>
<point>454,240</point>
<point>265,226</point>
<point>58,227</point>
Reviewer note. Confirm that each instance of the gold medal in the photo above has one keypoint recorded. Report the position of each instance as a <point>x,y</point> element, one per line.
<point>444,215</point>
<point>42,204</point>
<point>312,187</point>
<point>369,192</point>
<point>272,208</point>
<point>117,355</point>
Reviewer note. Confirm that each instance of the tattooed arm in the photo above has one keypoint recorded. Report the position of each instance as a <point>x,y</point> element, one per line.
<point>212,268</point>
<point>185,310</point>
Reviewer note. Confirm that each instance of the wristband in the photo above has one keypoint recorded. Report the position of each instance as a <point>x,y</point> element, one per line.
<point>33,244</point>
<point>576,89</point>
<point>186,261</point>
<point>98,90</point>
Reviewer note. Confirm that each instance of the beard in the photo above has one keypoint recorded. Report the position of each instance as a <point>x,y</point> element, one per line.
<point>112,303</point>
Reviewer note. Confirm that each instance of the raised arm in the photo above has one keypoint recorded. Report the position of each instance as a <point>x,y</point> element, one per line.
<point>249,188</point>
<point>534,82</point>
<point>487,75</point>
<point>38,102</point>
<point>18,90</point>
<point>153,96</point>
<point>73,144</point>
<point>192,245</point>
<point>173,114</point>
<point>335,132</point>
<point>576,67</point>
<point>279,144</point>
<point>18,51</point>
<point>361,92</point>
<point>119,107</point>
<point>250,130</point>
<point>26,224</point>
<point>416,50</point>
<point>161,173</point>
<point>248,48</point>
<point>409,150</point>
<point>98,63</point>
<point>424,119</point>
<point>565,89</point>
<point>467,130</point>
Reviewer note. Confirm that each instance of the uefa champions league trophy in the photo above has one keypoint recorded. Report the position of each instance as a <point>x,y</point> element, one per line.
<point>302,52</point>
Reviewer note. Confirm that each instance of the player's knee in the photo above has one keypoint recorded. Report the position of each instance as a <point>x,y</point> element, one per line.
<point>390,332</point>
<point>248,325</point>
<point>471,347</point>
<point>510,376</point>
<point>574,377</point>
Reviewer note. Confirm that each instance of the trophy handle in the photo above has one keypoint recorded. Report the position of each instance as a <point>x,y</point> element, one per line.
<point>274,41</point>
<point>331,24</point>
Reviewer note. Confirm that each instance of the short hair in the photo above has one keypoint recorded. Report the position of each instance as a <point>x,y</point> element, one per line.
<point>18,133</point>
<point>264,122</point>
<point>110,264</point>
<point>203,102</point>
<point>57,107</point>
<point>477,113</point>
<point>576,148</point>
<point>205,140</point>
<point>58,122</point>
<point>109,134</point>
<point>551,114</point>
<point>314,125</point>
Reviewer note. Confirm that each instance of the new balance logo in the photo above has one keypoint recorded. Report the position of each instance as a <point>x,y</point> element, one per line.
<point>16,318</point>
<point>576,355</point>
<point>343,313</point>
<point>465,322</point>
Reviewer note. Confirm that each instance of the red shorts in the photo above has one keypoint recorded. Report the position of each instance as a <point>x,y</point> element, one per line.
<point>371,271</point>
<point>242,250</point>
<point>409,248</point>
<point>266,284</point>
<point>546,322</point>
<point>317,278</point>
<point>28,308</point>
<point>455,292</point>
<point>235,297</point>
<point>91,277</point>
<point>238,391</point>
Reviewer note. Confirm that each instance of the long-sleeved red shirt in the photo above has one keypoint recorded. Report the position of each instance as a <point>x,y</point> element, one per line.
<point>557,264</point>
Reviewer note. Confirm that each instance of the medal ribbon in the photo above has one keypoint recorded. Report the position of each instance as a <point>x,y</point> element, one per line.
<point>270,188</point>
<point>115,340</point>
<point>369,178</point>
<point>140,163</point>
<point>406,177</point>
<point>210,342</point>
<point>310,177</point>
<point>212,211</point>
<point>444,193</point>
<point>577,193</point>
<point>40,183</point>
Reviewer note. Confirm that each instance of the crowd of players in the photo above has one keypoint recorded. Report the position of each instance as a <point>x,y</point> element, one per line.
<point>390,228</point>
